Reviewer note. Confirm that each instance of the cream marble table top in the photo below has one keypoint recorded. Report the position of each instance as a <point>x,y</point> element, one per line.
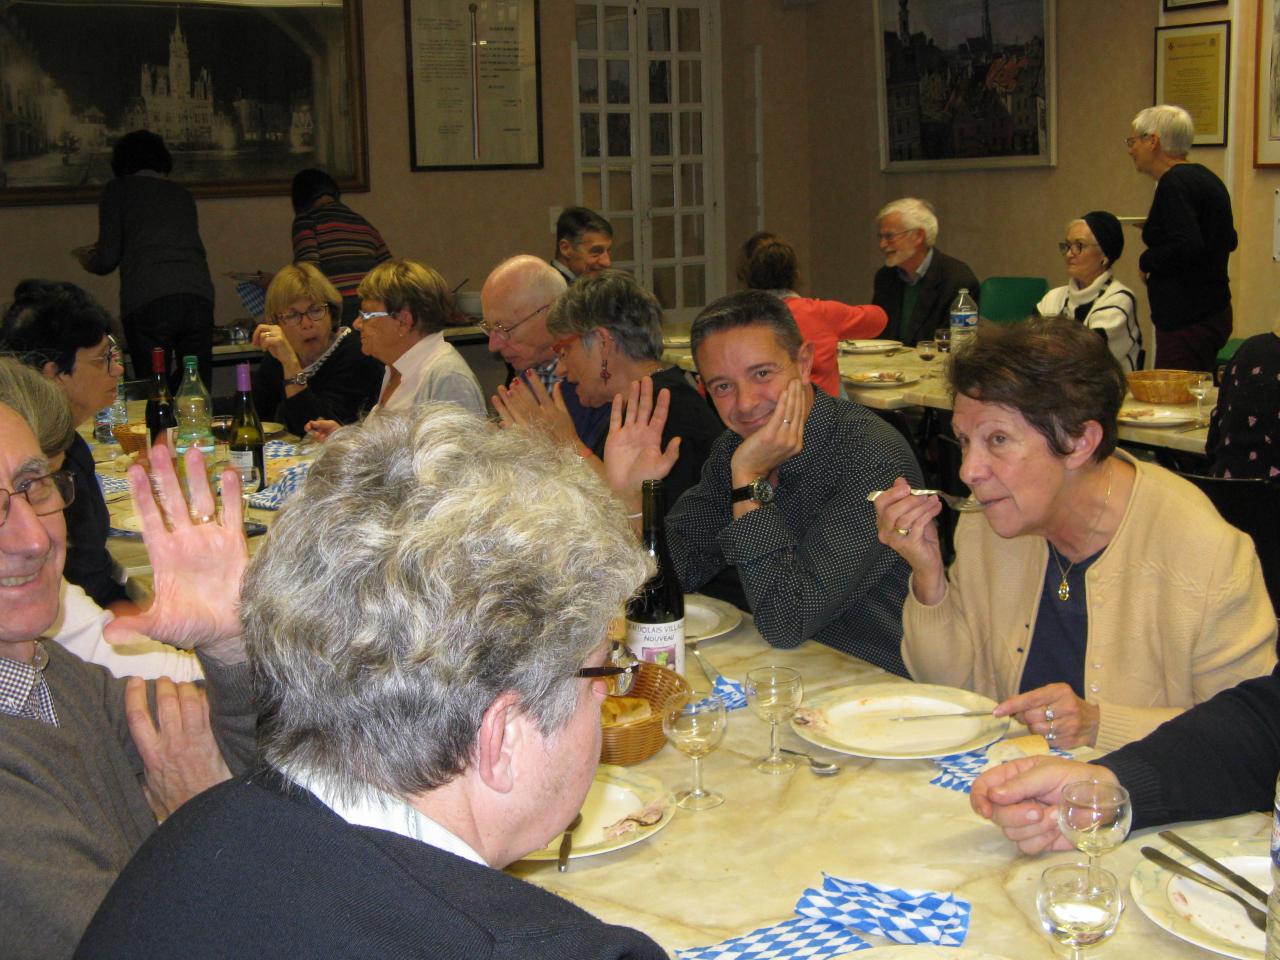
<point>727,871</point>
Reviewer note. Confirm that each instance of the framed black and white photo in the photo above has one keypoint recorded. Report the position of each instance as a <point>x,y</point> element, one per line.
<point>964,84</point>
<point>245,94</point>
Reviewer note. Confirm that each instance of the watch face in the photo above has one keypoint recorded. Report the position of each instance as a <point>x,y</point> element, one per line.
<point>761,491</point>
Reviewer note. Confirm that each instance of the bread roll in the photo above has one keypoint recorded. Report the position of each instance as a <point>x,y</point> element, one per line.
<point>619,710</point>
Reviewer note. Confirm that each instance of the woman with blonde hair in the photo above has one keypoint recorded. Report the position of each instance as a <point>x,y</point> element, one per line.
<point>309,371</point>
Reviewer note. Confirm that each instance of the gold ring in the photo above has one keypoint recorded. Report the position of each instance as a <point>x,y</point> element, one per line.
<point>786,421</point>
<point>205,518</point>
<point>904,531</point>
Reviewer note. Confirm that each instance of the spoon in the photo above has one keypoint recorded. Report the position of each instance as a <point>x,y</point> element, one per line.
<point>820,767</point>
<point>1160,858</point>
<point>958,504</point>
<point>566,843</point>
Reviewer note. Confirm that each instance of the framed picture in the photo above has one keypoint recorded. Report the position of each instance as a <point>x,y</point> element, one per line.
<point>1266,103</point>
<point>475,84</point>
<point>245,93</point>
<point>1193,64</point>
<point>1188,4</point>
<point>965,85</point>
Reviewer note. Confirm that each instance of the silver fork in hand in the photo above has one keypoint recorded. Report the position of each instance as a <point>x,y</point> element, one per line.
<point>958,504</point>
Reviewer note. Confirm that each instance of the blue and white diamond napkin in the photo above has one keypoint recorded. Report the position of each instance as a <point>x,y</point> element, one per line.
<point>730,691</point>
<point>252,297</point>
<point>799,937</point>
<point>904,916</point>
<point>274,496</point>
<point>958,771</point>
<point>110,485</point>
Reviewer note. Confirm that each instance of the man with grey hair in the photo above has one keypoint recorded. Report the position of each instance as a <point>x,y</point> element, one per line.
<point>583,242</point>
<point>917,283</point>
<point>515,300</point>
<point>1189,234</point>
<point>427,626</point>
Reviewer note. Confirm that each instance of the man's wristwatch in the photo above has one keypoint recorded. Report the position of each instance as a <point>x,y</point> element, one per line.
<point>299,381</point>
<point>759,490</point>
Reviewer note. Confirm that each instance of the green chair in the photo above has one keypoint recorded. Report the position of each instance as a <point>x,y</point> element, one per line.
<point>1010,299</point>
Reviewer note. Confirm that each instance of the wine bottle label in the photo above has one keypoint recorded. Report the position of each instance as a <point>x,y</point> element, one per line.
<point>241,459</point>
<point>660,643</point>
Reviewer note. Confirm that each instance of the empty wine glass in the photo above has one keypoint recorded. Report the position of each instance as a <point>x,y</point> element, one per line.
<point>695,726</point>
<point>774,693</point>
<point>1095,816</point>
<point>927,350</point>
<point>1076,909</point>
<point>1199,389</point>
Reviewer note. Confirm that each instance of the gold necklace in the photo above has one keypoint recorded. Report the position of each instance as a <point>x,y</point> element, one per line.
<point>1064,588</point>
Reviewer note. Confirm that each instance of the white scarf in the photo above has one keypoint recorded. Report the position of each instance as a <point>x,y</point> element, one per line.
<point>1078,296</point>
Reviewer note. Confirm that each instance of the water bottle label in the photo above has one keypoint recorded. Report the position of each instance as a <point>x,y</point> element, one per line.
<point>964,321</point>
<point>660,643</point>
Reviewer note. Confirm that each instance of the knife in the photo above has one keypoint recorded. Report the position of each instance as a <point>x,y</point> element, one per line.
<point>942,716</point>
<point>708,671</point>
<point>566,843</point>
<point>1162,859</point>
<point>1220,868</point>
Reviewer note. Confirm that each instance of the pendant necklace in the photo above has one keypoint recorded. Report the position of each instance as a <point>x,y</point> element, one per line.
<point>1064,588</point>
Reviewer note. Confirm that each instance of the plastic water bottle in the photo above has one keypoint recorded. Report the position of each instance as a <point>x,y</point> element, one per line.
<point>102,425</point>
<point>119,409</point>
<point>194,412</point>
<point>964,318</point>
<point>1273,901</point>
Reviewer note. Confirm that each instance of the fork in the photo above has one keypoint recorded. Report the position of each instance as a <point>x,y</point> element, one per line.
<point>958,504</point>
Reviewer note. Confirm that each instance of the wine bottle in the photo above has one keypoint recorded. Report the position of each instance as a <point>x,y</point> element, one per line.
<point>162,420</point>
<point>246,430</point>
<point>655,615</point>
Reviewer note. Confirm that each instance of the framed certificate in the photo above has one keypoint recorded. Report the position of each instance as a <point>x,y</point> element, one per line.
<point>1193,63</point>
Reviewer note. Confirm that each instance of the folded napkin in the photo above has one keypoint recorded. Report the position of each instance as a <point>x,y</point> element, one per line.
<point>904,916</point>
<point>274,496</point>
<point>828,917</point>
<point>252,297</point>
<point>730,691</point>
<point>110,485</point>
<point>959,770</point>
<point>279,448</point>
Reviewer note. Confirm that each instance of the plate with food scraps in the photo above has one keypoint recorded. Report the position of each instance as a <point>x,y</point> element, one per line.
<point>622,807</point>
<point>869,346</point>
<point>864,721</point>
<point>272,429</point>
<point>1196,914</point>
<point>706,618</point>
<point>1151,417</point>
<point>880,378</point>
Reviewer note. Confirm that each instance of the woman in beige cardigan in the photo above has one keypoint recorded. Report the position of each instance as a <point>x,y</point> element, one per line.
<point>1096,596</point>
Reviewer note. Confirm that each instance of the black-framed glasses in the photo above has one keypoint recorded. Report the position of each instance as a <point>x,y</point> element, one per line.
<point>1073,246</point>
<point>492,326</point>
<point>109,356</point>
<point>318,312</point>
<point>617,679</point>
<point>47,494</point>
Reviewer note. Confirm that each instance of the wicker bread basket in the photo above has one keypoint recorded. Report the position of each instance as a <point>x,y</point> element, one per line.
<point>628,743</point>
<point>1161,386</point>
<point>130,441</point>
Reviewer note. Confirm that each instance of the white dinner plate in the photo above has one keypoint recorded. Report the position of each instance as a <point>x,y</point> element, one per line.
<point>868,379</point>
<point>919,951</point>
<point>858,721</point>
<point>869,346</point>
<point>272,429</point>
<point>1196,914</point>
<point>1157,419</point>
<point>615,792</point>
<point>706,618</point>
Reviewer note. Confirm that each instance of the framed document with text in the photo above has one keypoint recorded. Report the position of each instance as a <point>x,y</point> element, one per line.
<point>475,88</point>
<point>1193,63</point>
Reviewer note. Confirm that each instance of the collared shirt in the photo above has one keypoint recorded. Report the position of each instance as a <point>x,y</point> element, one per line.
<point>23,690</point>
<point>911,279</point>
<point>810,562</point>
<point>412,366</point>
<point>381,811</point>
<point>547,374</point>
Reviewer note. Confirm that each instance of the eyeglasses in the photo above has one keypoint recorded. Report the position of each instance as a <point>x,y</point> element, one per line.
<point>617,680</point>
<point>364,316</point>
<point>890,237</point>
<point>109,356</point>
<point>47,494</point>
<point>492,327</point>
<point>1130,141</point>
<point>317,312</point>
<point>561,347</point>
<point>1073,246</point>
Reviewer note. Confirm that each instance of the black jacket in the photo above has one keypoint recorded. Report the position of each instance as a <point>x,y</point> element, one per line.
<point>937,288</point>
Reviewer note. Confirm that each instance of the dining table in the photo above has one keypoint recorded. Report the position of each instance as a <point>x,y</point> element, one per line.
<point>711,875</point>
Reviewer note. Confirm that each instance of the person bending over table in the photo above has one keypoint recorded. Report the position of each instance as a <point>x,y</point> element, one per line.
<point>769,263</point>
<point>1091,294</point>
<point>309,372</point>
<point>783,494</point>
<point>405,307</point>
<point>431,723</point>
<point>1096,595</point>
<point>608,332</point>
<point>84,772</point>
<point>1218,759</point>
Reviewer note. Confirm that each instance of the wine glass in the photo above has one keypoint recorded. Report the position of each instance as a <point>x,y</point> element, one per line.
<point>942,337</point>
<point>1076,909</point>
<point>1199,389</point>
<point>1095,816</point>
<point>249,478</point>
<point>695,726</point>
<point>927,350</point>
<point>774,693</point>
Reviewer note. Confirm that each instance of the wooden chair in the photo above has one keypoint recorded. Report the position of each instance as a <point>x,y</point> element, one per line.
<point>1254,507</point>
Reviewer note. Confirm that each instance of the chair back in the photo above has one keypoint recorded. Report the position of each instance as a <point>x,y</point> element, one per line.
<point>1254,507</point>
<point>1010,299</point>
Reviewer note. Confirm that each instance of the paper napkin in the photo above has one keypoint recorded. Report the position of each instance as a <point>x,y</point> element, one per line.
<point>959,770</point>
<point>274,496</point>
<point>110,485</point>
<point>799,937</point>
<point>730,691</point>
<point>904,916</point>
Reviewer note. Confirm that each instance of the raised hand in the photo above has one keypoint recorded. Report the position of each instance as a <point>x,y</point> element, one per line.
<point>197,559</point>
<point>271,338</point>
<point>633,450</point>
<point>526,403</point>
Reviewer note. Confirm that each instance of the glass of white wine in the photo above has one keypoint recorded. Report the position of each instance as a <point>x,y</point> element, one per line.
<point>926,350</point>
<point>774,694</point>
<point>1199,389</point>
<point>1076,909</point>
<point>249,479</point>
<point>695,726</point>
<point>1095,816</point>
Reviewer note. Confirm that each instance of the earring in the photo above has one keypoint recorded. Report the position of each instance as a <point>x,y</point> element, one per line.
<point>605,375</point>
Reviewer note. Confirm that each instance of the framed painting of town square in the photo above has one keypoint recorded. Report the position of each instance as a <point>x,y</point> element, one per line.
<point>245,94</point>
<point>965,84</point>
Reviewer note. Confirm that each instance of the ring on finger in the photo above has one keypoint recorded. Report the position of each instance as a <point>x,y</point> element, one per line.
<point>1051,736</point>
<point>203,518</point>
<point>903,531</point>
<point>1048,715</point>
<point>786,422</point>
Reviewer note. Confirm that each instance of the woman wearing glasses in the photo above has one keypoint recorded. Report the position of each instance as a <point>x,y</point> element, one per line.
<point>1092,295</point>
<point>309,371</point>
<point>61,331</point>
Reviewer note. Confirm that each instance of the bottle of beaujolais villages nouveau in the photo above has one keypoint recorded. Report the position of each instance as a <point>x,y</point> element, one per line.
<point>655,615</point>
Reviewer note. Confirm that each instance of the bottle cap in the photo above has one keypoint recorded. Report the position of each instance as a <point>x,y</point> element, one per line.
<point>157,359</point>
<point>242,377</point>
<point>190,362</point>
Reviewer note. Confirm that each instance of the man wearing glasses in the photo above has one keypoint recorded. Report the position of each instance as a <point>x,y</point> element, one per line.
<point>84,772</point>
<point>917,283</point>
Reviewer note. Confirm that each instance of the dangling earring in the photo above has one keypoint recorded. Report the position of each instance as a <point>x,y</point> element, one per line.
<point>604,369</point>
